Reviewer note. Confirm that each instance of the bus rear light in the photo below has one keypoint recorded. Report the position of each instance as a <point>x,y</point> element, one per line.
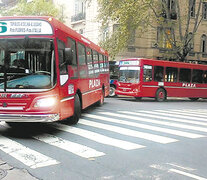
<point>46,102</point>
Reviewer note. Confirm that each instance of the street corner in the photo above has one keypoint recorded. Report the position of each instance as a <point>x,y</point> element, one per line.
<point>8,172</point>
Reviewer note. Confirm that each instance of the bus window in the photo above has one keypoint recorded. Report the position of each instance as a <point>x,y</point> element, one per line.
<point>73,67</point>
<point>95,62</point>
<point>129,74</point>
<point>197,76</point>
<point>205,77</point>
<point>158,73</point>
<point>82,60</point>
<point>171,74</point>
<point>147,76</point>
<point>71,44</point>
<point>90,62</point>
<point>106,64</point>
<point>62,64</point>
<point>101,62</point>
<point>185,75</point>
<point>81,54</point>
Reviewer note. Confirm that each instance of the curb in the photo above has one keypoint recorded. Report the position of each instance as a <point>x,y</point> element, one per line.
<point>8,172</point>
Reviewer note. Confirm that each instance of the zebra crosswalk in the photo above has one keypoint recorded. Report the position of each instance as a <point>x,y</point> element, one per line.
<point>124,130</point>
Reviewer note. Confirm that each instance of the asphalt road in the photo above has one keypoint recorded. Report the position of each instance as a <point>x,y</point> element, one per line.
<point>124,139</point>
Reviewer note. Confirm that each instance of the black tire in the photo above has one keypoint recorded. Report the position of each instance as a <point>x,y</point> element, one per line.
<point>193,99</point>
<point>138,98</point>
<point>112,91</point>
<point>77,110</point>
<point>160,95</point>
<point>101,101</point>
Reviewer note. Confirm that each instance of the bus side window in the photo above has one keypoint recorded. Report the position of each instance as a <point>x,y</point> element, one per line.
<point>106,64</point>
<point>82,61</point>
<point>101,62</point>
<point>205,77</point>
<point>171,74</point>
<point>95,62</point>
<point>90,62</point>
<point>158,73</point>
<point>185,75</point>
<point>147,76</point>
<point>197,76</point>
<point>61,55</point>
<point>73,68</point>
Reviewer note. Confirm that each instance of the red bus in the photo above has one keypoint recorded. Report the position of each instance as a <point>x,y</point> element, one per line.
<point>48,72</point>
<point>161,79</point>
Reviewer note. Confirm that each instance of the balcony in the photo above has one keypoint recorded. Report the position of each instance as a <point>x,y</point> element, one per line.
<point>78,17</point>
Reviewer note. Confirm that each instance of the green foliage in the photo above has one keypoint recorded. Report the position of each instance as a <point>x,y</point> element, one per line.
<point>129,15</point>
<point>34,8</point>
<point>139,15</point>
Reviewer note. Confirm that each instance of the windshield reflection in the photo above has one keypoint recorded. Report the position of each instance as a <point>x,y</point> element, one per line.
<point>27,64</point>
<point>129,74</point>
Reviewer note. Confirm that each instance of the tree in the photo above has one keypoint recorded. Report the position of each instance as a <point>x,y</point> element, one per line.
<point>33,8</point>
<point>177,26</point>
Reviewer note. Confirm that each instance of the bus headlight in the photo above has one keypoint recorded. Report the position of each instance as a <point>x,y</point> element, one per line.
<point>46,102</point>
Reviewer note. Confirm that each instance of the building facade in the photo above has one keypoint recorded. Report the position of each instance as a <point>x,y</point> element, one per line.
<point>82,17</point>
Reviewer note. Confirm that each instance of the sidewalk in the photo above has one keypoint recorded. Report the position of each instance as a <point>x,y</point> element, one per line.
<point>8,172</point>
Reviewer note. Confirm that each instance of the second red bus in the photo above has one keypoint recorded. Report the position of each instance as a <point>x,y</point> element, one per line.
<point>161,79</point>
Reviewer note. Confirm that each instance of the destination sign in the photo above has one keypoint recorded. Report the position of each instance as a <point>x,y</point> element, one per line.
<point>24,27</point>
<point>128,63</point>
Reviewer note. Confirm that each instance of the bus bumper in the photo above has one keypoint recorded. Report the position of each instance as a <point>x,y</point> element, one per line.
<point>117,92</point>
<point>29,117</point>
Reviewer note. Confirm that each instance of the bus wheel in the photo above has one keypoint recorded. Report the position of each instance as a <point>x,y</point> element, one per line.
<point>77,110</point>
<point>193,99</point>
<point>160,95</point>
<point>101,101</point>
<point>112,91</point>
<point>138,98</point>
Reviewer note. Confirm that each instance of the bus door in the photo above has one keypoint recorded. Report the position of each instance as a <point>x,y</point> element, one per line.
<point>68,77</point>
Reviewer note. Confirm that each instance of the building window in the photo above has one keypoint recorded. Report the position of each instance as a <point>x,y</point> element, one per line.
<point>164,37</point>
<point>81,31</point>
<point>203,43</point>
<point>169,9</point>
<point>204,10</point>
<point>190,41</point>
<point>105,33</point>
<point>192,8</point>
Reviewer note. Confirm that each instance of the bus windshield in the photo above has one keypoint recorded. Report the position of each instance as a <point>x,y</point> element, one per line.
<point>27,63</point>
<point>129,74</point>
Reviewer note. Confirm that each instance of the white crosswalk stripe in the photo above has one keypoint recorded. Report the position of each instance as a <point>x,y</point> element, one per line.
<point>98,137</point>
<point>144,126</point>
<point>185,112</point>
<point>129,132</point>
<point>27,156</point>
<point>176,123</point>
<point>173,117</point>
<point>75,148</point>
<point>137,118</point>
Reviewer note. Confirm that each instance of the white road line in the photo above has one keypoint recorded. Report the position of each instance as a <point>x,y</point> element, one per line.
<point>27,156</point>
<point>169,114</point>
<point>154,128</point>
<point>153,121</point>
<point>195,113</point>
<point>181,167</point>
<point>98,137</point>
<point>129,132</point>
<point>186,113</point>
<point>187,174</point>
<point>72,147</point>
<point>173,117</point>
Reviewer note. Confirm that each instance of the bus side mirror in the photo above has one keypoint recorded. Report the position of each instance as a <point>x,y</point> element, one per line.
<point>69,56</point>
